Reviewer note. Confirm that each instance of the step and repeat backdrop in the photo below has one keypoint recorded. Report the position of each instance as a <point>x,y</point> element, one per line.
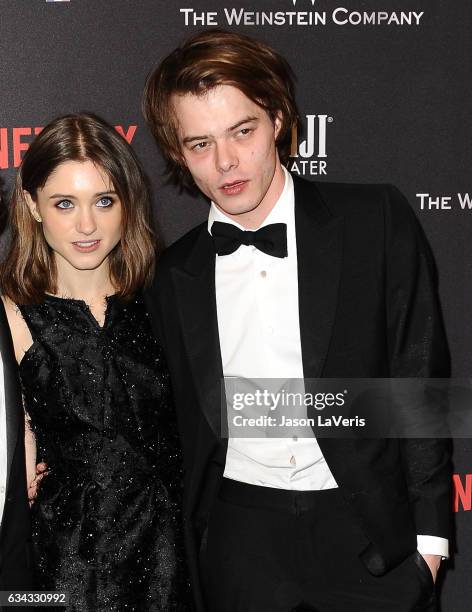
<point>383,88</point>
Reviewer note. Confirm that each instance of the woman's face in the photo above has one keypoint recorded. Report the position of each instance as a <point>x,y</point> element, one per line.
<point>80,214</point>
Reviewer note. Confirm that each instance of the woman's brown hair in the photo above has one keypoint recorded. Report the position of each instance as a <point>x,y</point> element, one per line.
<point>3,209</point>
<point>29,270</point>
<point>209,59</point>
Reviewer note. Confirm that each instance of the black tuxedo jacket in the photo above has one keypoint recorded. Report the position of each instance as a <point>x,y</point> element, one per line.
<point>15,535</point>
<point>368,308</point>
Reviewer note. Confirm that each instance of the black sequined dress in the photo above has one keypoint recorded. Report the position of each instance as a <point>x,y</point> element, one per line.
<point>106,522</point>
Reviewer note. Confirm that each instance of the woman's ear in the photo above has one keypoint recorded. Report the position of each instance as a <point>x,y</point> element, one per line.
<point>32,206</point>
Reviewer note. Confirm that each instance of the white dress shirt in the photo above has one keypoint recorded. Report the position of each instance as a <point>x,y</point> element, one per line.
<point>258,322</point>
<point>259,330</point>
<point>3,443</point>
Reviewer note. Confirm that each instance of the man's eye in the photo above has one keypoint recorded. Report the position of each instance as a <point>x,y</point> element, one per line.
<point>64,204</point>
<point>245,131</point>
<point>104,202</point>
<point>199,146</point>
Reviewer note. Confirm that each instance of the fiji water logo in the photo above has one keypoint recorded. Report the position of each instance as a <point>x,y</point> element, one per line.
<point>309,156</point>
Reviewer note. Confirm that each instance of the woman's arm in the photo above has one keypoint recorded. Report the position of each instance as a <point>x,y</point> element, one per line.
<point>22,340</point>
<point>20,333</point>
<point>30,455</point>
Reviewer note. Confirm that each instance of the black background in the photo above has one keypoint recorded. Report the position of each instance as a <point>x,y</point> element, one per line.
<point>399,97</point>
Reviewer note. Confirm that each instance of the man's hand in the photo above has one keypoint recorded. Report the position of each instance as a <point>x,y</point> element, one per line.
<point>41,472</point>
<point>433,561</point>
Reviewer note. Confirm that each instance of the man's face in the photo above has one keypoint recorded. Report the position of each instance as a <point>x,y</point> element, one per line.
<point>228,143</point>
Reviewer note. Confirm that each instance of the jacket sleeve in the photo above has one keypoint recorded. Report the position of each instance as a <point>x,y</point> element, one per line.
<point>417,348</point>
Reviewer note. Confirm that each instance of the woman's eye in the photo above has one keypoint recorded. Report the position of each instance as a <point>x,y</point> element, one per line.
<point>65,204</point>
<point>104,202</point>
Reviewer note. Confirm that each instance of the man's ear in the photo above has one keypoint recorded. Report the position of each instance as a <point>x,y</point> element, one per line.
<point>32,206</point>
<point>278,123</point>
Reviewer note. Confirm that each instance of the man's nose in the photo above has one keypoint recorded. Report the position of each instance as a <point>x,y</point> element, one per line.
<point>226,157</point>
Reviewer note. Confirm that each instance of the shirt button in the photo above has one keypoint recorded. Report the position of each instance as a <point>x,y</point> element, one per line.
<point>292,460</point>
<point>2,489</point>
<point>270,330</point>
<point>263,274</point>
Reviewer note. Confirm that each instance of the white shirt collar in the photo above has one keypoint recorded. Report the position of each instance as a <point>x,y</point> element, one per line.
<point>282,212</point>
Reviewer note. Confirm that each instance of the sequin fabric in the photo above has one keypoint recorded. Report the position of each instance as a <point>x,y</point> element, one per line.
<point>106,522</point>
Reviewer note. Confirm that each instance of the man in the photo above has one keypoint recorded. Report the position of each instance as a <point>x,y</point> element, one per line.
<point>15,568</point>
<point>337,283</point>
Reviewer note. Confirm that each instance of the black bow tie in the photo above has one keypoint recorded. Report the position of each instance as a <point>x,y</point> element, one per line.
<point>271,239</point>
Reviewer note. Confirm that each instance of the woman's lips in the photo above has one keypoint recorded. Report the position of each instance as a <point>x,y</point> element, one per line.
<point>86,246</point>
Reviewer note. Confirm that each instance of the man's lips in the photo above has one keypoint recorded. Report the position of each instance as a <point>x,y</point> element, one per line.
<point>234,187</point>
<point>86,246</point>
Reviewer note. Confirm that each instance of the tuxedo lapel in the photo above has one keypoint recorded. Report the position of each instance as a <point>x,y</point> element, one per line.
<point>194,284</point>
<point>11,386</point>
<point>319,254</point>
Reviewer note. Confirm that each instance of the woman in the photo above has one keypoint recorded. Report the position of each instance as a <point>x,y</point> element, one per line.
<point>95,385</point>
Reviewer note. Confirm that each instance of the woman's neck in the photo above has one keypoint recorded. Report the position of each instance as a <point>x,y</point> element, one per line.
<point>89,285</point>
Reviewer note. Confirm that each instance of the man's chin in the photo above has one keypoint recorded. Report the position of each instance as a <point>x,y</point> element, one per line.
<point>234,209</point>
